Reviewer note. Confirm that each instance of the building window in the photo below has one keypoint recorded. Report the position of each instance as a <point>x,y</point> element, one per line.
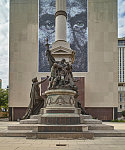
<point>124,97</point>
<point>120,64</point>
<point>123,65</point>
<point>120,97</point>
<point>120,106</point>
<point>121,43</point>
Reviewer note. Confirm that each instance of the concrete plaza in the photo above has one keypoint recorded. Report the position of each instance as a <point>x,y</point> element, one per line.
<point>98,143</point>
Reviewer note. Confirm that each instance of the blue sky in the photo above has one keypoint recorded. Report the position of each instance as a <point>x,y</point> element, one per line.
<point>4,36</point>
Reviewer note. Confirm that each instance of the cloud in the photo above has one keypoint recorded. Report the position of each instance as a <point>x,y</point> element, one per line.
<point>4,42</point>
<point>121,18</point>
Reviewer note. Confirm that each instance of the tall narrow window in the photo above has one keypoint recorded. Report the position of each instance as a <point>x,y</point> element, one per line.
<point>123,64</point>
<point>120,64</point>
<point>120,97</point>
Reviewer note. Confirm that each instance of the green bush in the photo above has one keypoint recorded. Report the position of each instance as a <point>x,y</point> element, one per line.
<point>5,115</point>
<point>123,113</point>
<point>118,120</point>
<point>4,98</point>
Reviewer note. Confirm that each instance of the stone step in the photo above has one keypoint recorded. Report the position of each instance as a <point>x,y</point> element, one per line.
<point>62,135</point>
<point>85,117</point>
<point>14,133</point>
<point>99,127</point>
<point>35,126</point>
<point>29,121</point>
<point>110,133</point>
<point>49,128</point>
<point>60,110</point>
<point>59,119</point>
<point>59,135</point>
<point>91,121</point>
<point>34,116</point>
<point>23,127</point>
<point>61,128</point>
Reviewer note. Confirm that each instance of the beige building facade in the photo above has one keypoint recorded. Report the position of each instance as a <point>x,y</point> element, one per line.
<point>101,80</point>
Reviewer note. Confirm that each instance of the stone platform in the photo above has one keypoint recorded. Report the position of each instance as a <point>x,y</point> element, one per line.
<point>81,131</point>
<point>59,135</point>
<point>15,129</point>
<point>60,119</point>
<point>50,128</point>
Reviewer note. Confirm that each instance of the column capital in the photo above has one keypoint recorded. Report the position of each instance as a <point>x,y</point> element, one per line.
<point>60,12</point>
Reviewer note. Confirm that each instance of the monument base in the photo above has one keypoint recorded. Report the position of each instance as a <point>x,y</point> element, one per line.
<point>91,128</point>
<point>59,119</point>
<point>60,135</point>
<point>60,108</point>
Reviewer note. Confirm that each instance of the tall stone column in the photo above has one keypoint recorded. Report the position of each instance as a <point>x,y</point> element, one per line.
<point>60,20</point>
<point>61,48</point>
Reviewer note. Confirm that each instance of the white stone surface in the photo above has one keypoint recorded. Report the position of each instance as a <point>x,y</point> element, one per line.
<point>60,21</point>
<point>60,29</point>
<point>60,5</point>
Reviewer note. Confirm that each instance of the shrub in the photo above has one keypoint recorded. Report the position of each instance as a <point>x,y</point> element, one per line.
<point>123,113</point>
<point>118,120</point>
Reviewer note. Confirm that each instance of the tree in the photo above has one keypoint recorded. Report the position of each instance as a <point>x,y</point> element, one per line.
<point>4,98</point>
<point>123,113</point>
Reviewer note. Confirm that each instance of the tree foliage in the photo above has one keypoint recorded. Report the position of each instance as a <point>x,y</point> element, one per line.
<point>123,113</point>
<point>4,98</point>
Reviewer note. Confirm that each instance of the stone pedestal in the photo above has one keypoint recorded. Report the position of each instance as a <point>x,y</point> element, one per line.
<point>60,108</point>
<point>60,98</point>
<point>61,50</point>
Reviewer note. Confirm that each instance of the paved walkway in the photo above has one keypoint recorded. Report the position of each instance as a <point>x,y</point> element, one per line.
<point>117,125</point>
<point>100,143</point>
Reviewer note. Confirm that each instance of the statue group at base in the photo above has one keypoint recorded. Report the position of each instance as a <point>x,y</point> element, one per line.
<point>61,73</point>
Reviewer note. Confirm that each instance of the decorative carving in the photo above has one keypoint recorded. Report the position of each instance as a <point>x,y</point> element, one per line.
<point>60,100</point>
<point>60,51</point>
<point>72,100</point>
<point>63,49</point>
<point>49,100</point>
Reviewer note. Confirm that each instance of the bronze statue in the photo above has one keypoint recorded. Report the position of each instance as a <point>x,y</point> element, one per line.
<point>36,101</point>
<point>51,59</point>
<point>61,78</point>
<point>61,73</point>
<point>83,112</point>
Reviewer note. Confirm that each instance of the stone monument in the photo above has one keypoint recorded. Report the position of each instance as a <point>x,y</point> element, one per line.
<point>61,96</point>
<point>60,104</point>
<point>60,112</point>
<point>60,116</point>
